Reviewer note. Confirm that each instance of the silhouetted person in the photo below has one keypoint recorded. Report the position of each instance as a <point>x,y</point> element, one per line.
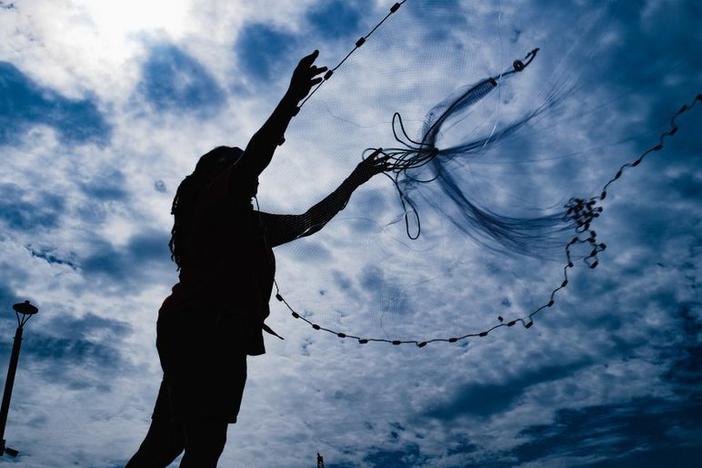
<point>215,315</point>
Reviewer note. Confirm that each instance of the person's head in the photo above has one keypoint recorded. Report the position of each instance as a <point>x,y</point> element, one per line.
<point>208,167</point>
<point>214,162</point>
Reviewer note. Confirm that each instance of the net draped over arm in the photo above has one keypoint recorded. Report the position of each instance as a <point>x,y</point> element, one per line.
<point>281,229</point>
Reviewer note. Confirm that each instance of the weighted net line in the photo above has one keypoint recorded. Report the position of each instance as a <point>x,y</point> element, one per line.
<point>362,40</point>
<point>583,213</point>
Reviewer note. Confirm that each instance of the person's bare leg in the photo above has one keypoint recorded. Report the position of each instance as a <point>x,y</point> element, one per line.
<point>204,443</point>
<point>162,444</point>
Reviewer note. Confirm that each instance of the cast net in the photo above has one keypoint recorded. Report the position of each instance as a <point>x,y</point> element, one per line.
<point>503,129</point>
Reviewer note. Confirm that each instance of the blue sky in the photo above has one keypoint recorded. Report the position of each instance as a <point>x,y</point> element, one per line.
<point>106,106</point>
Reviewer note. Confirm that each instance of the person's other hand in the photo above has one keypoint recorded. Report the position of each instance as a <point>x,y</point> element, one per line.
<point>305,76</point>
<point>374,164</point>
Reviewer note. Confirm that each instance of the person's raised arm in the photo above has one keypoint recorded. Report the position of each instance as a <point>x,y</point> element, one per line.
<point>259,151</point>
<point>281,229</point>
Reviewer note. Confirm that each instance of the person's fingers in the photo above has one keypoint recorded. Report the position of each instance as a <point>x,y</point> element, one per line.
<point>376,153</point>
<point>308,60</point>
<point>384,163</point>
<point>317,70</point>
<point>316,81</point>
<point>382,160</point>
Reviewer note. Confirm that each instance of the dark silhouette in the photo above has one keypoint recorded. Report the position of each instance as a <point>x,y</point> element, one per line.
<point>26,310</point>
<point>215,315</point>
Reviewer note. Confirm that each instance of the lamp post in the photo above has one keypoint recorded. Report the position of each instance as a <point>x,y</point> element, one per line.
<point>23,311</point>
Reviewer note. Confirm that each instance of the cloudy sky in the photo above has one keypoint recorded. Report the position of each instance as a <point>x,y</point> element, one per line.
<point>105,106</point>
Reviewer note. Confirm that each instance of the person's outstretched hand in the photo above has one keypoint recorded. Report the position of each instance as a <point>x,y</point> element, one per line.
<point>303,78</point>
<point>374,164</point>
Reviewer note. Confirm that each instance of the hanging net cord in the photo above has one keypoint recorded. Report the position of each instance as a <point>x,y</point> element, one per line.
<point>583,213</point>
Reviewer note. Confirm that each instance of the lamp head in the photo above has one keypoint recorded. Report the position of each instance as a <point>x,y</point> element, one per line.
<point>25,308</point>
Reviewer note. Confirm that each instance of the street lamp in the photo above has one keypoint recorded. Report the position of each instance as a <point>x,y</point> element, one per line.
<point>23,311</point>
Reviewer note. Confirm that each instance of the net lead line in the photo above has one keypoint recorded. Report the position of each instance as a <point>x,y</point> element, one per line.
<point>357,45</point>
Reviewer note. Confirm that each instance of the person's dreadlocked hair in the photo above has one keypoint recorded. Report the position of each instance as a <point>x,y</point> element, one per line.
<point>209,165</point>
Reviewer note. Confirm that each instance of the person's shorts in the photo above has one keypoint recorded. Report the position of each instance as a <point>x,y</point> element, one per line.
<point>204,367</point>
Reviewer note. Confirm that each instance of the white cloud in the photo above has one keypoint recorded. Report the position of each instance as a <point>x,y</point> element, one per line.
<point>313,391</point>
